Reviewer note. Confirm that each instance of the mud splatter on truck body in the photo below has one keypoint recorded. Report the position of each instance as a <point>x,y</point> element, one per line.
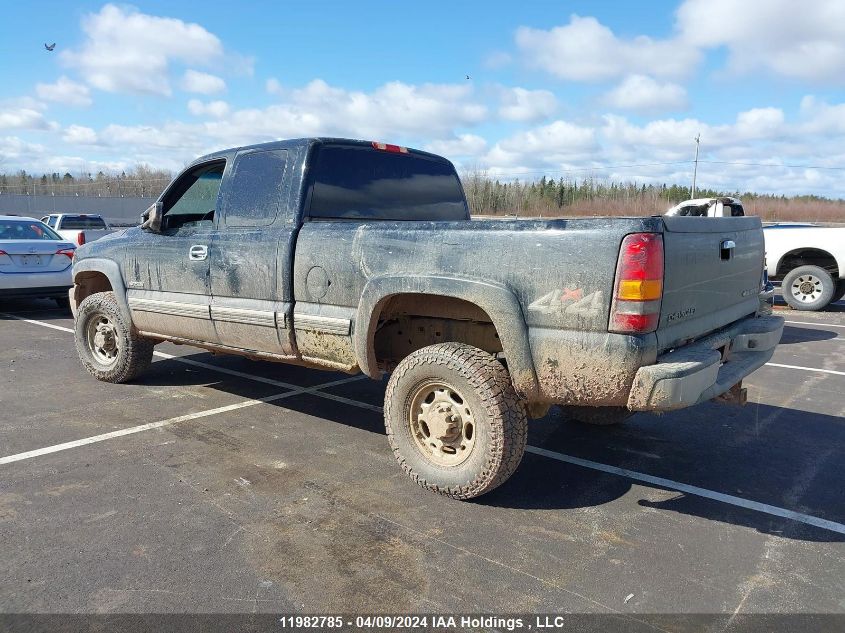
<point>355,256</point>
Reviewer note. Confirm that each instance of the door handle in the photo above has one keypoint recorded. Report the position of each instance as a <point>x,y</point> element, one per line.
<point>198,252</point>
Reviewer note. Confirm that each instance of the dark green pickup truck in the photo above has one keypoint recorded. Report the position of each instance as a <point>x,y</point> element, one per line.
<point>361,257</point>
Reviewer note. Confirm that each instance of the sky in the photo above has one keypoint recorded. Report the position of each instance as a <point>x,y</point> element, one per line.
<point>609,90</point>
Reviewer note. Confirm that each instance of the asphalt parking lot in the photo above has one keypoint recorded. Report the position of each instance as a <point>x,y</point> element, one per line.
<point>219,484</point>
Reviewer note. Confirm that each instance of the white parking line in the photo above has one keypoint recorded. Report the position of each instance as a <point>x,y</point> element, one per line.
<point>315,390</point>
<point>798,367</point>
<point>157,425</point>
<point>815,323</point>
<point>136,429</point>
<point>41,323</point>
<point>739,502</point>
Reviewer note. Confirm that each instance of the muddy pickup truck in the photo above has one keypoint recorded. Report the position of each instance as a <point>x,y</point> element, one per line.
<point>361,257</point>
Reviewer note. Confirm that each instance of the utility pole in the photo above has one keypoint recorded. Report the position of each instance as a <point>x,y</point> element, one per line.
<point>695,167</point>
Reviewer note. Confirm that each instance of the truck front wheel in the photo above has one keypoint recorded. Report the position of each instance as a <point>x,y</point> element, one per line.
<point>107,346</point>
<point>808,288</point>
<point>454,421</point>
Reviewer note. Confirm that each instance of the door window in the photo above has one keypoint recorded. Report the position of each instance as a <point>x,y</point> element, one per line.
<point>253,195</point>
<point>193,199</point>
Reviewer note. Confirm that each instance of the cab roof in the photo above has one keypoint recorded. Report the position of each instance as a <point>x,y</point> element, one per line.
<point>300,142</point>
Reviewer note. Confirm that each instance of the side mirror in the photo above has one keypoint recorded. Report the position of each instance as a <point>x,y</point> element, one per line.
<point>151,218</point>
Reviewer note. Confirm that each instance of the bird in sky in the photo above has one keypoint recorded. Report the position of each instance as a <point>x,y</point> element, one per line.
<point>50,47</point>
<point>468,77</point>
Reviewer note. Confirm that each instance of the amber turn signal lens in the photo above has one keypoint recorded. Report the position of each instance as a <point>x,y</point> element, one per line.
<point>640,289</point>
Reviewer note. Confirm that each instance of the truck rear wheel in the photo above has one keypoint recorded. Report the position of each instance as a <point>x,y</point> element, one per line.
<point>107,346</point>
<point>454,421</point>
<point>808,288</point>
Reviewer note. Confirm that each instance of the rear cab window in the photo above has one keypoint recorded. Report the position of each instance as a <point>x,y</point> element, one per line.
<point>358,182</point>
<point>81,222</point>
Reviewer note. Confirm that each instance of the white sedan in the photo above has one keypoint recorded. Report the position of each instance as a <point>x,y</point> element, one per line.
<point>810,261</point>
<point>35,261</point>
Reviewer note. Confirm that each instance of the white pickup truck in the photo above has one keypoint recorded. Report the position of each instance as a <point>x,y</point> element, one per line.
<point>810,262</point>
<point>723,207</point>
<point>79,228</point>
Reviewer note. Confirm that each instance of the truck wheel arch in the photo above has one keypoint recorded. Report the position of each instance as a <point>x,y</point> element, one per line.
<point>497,301</point>
<point>807,256</point>
<point>100,275</point>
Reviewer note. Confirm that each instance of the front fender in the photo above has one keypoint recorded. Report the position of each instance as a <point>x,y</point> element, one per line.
<point>111,270</point>
<point>500,304</point>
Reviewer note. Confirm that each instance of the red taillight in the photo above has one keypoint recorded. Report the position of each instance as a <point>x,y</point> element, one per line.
<point>387,147</point>
<point>66,251</point>
<point>80,238</point>
<point>639,284</point>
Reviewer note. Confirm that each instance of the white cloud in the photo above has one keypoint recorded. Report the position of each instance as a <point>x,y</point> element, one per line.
<point>394,111</point>
<point>556,142</point>
<point>65,91</point>
<point>641,93</point>
<point>79,135</point>
<point>12,147</point>
<point>22,118</point>
<point>672,139</point>
<point>821,117</point>
<point>804,41</point>
<point>216,109</point>
<point>129,51</point>
<point>202,83</point>
<point>586,50</point>
<point>462,145</point>
<point>519,104</point>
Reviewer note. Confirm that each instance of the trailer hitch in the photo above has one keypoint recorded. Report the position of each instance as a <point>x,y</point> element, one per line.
<point>736,395</point>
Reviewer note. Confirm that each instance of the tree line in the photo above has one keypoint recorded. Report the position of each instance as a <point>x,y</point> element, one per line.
<point>140,181</point>
<point>545,198</point>
<point>590,196</point>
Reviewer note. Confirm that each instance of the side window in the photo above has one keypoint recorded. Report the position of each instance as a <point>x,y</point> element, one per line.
<point>51,221</point>
<point>253,194</point>
<point>194,196</point>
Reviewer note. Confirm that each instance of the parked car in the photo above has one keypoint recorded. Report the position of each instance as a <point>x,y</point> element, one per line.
<point>722,207</point>
<point>809,261</point>
<point>362,257</point>
<point>78,227</point>
<point>34,260</point>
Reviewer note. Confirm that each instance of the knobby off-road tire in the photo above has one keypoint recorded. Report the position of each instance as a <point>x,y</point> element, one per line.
<point>466,394</point>
<point>808,288</point>
<point>106,344</point>
<point>598,416</point>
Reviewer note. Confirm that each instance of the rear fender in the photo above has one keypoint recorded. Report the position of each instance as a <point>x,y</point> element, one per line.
<point>500,304</point>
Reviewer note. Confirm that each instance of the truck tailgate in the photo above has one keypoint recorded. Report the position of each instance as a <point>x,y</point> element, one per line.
<point>713,268</point>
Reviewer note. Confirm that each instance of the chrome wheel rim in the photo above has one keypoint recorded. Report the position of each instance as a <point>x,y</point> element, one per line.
<point>102,338</point>
<point>807,288</point>
<point>442,424</point>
